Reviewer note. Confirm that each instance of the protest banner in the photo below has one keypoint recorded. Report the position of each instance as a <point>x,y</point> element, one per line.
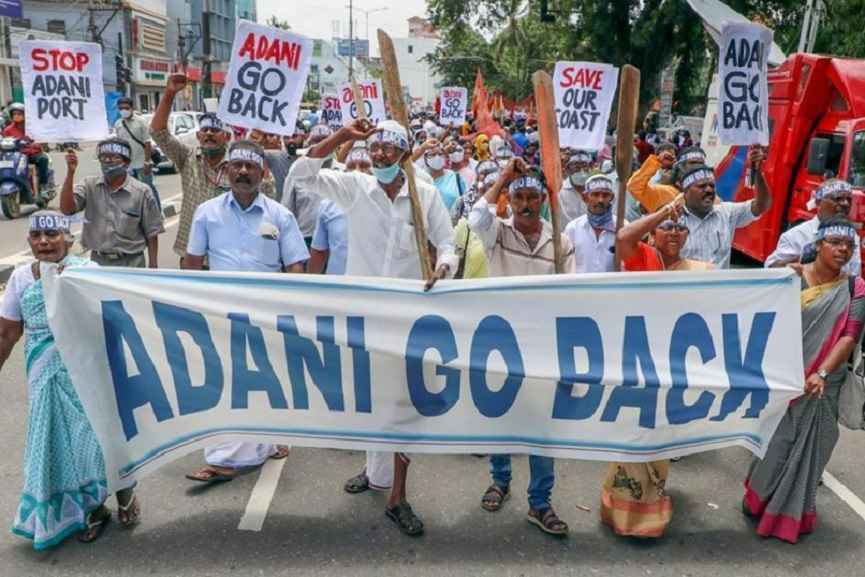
<point>743,70</point>
<point>265,79</point>
<point>331,112</point>
<point>166,362</point>
<point>454,101</point>
<point>64,100</point>
<point>584,96</point>
<point>373,101</point>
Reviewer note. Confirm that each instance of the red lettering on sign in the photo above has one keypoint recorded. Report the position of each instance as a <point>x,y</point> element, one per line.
<point>59,60</point>
<point>279,52</point>
<point>582,77</point>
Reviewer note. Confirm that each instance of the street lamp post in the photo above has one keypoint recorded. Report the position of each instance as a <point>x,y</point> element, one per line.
<point>366,13</point>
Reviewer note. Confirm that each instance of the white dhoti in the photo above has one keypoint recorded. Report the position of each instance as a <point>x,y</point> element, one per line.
<point>237,455</point>
<point>379,470</point>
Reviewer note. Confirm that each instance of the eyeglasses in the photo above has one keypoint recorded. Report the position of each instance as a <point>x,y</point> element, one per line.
<point>672,226</point>
<point>838,241</point>
<point>383,147</point>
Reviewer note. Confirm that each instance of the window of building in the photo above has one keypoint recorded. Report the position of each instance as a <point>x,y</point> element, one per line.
<point>143,103</point>
<point>410,49</point>
<point>56,26</point>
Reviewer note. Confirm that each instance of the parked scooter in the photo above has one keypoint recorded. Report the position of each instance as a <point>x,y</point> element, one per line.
<point>19,183</point>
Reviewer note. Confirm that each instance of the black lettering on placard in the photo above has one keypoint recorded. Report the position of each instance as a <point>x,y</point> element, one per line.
<point>60,95</point>
<point>581,110</point>
<point>255,99</point>
<point>367,105</point>
<point>741,107</point>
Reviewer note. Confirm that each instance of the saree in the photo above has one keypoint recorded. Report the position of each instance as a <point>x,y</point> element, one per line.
<point>780,489</point>
<point>64,470</point>
<point>634,502</point>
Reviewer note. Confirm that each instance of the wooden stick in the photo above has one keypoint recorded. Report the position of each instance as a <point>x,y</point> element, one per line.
<point>393,90</point>
<point>550,154</point>
<point>629,99</point>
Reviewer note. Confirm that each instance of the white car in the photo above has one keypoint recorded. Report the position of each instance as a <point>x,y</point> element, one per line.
<point>183,125</point>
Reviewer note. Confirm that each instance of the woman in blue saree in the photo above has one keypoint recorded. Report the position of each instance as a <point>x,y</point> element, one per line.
<point>64,472</point>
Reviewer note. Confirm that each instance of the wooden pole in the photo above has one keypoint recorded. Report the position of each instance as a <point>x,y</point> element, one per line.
<point>629,99</point>
<point>551,159</point>
<point>393,90</point>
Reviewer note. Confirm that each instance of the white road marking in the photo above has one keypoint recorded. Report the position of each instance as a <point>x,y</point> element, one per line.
<point>844,493</point>
<point>262,495</point>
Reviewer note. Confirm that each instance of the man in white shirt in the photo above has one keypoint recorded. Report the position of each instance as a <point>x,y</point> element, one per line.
<point>833,197</point>
<point>133,129</point>
<point>576,172</point>
<point>594,233</point>
<point>382,240</point>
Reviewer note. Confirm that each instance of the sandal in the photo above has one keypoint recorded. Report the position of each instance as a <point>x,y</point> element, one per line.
<point>357,484</point>
<point>547,521</point>
<point>495,497</point>
<point>405,519</point>
<point>96,522</point>
<point>281,453</point>
<point>213,475</point>
<point>129,514</point>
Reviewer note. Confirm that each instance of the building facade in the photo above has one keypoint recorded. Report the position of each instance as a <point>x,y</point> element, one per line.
<point>247,10</point>
<point>216,20</point>
<point>415,73</point>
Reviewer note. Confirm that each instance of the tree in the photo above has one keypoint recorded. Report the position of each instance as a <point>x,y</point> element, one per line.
<point>841,31</point>
<point>275,22</point>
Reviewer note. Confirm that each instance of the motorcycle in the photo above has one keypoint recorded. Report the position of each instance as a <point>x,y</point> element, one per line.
<point>19,182</point>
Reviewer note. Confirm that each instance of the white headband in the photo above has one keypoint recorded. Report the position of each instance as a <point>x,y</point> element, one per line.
<point>49,221</point>
<point>693,155</point>
<point>245,155</point>
<point>115,148</point>
<point>836,230</point>
<point>697,175</point>
<point>390,137</point>
<point>526,181</point>
<point>599,182</point>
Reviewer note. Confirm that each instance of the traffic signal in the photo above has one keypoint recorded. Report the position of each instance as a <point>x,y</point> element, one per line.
<point>122,72</point>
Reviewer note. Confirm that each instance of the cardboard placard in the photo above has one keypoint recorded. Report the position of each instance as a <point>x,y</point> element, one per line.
<point>64,100</point>
<point>584,96</point>
<point>266,78</point>
<point>373,101</point>
<point>743,97</point>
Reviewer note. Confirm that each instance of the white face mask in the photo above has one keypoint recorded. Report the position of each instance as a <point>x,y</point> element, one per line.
<point>457,156</point>
<point>126,113</point>
<point>490,179</point>
<point>436,162</point>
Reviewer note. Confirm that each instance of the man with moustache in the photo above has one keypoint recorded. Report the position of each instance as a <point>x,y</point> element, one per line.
<point>712,225</point>
<point>832,198</point>
<point>201,168</point>
<point>521,245</point>
<point>243,230</point>
<point>594,233</point>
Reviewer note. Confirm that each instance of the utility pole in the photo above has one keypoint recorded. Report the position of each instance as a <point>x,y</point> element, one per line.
<point>351,39</point>
<point>207,64</point>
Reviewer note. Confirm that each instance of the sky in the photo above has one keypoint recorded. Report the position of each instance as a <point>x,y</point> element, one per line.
<point>314,18</point>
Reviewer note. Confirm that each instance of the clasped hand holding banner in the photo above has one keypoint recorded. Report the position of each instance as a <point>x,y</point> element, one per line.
<point>606,367</point>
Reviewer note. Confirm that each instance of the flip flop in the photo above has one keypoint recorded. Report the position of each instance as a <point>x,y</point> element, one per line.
<point>210,475</point>
<point>281,452</point>
<point>97,521</point>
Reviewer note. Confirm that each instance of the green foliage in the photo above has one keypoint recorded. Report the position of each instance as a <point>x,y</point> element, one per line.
<point>508,42</point>
<point>275,22</point>
<point>841,30</point>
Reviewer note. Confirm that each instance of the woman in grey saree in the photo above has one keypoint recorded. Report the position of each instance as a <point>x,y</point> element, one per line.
<point>781,488</point>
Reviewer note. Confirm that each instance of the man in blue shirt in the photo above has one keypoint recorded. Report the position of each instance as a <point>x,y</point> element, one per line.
<point>243,230</point>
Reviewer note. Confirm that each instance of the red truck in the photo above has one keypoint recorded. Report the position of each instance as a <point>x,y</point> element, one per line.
<point>816,125</point>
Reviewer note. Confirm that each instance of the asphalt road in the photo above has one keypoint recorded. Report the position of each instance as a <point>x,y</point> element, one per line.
<point>313,528</point>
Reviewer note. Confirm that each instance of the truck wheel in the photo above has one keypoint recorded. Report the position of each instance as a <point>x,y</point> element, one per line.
<point>10,206</point>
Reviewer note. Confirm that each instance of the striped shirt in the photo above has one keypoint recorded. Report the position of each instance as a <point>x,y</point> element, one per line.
<point>710,239</point>
<point>198,180</point>
<point>508,252</point>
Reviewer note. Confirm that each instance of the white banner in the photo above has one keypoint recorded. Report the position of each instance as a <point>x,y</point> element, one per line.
<point>266,78</point>
<point>454,101</point>
<point>64,99</point>
<point>633,367</point>
<point>743,98</point>
<point>331,112</point>
<point>373,101</point>
<point>584,96</point>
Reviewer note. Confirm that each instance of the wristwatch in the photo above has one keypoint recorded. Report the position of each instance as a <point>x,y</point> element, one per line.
<point>823,373</point>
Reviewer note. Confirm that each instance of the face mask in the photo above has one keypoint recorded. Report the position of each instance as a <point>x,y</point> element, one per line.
<point>436,162</point>
<point>457,157</point>
<point>578,179</point>
<point>111,171</point>
<point>387,174</point>
<point>126,113</point>
<point>490,179</point>
<point>602,221</point>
